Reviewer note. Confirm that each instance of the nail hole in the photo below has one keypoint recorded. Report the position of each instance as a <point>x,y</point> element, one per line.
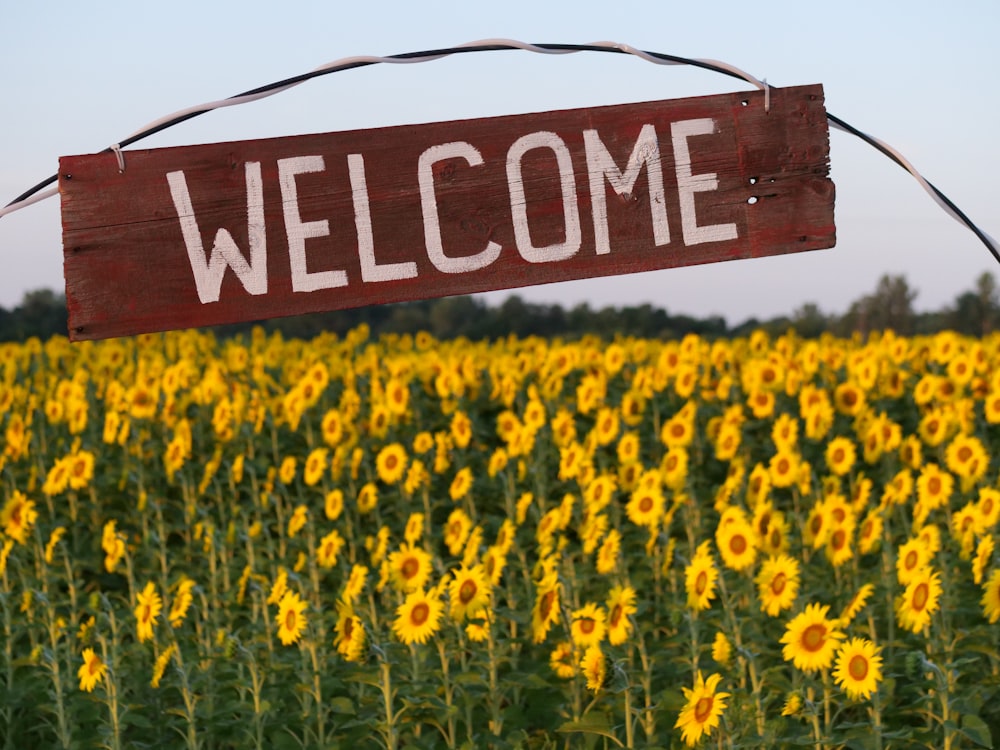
<point>745,102</point>
<point>753,180</point>
<point>752,199</point>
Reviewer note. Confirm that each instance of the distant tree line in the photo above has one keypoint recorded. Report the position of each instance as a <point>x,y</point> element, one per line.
<point>975,312</point>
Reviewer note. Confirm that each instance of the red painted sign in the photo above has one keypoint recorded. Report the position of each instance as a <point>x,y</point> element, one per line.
<point>230,232</point>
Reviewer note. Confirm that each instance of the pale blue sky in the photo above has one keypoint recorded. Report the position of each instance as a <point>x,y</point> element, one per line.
<point>919,75</point>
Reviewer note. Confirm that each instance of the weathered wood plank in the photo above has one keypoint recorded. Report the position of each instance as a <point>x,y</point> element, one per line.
<point>511,198</point>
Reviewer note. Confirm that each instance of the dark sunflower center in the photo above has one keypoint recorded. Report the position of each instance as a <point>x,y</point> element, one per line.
<point>778,583</point>
<point>738,544</point>
<point>703,709</point>
<point>701,583</point>
<point>467,591</point>
<point>814,637</point>
<point>419,614</point>
<point>857,667</point>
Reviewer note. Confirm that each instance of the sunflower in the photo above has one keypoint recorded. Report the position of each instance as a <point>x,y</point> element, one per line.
<point>628,448</point>
<point>784,467</point>
<point>912,557</point>
<point>966,457</point>
<point>298,520</point>
<point>54,538</point>
<point>498,462</point>
<point>461,484</point>
<point>778,584</point>
<point>414,528</point>
<point>391,463</point>
<point>621,604</point>
<point>856,604</point>
<point>422,442</point>
<point>461,429</point>
<point>677,431</point>
<point>333,504</point>
<point>18,516</point>
<point>505,536</point>
<point>870,531</point>
<point>291,620</point>
<point>988,507</point>
<point>849,399</point>
<point>456,531</point>
<point>409,568</point>
<point>367,498</point>
<point>545,611</point>
<point>858,668</point>
<point>737,544</point>
<point>81,469</point>
<point>811,639</point>
<point>700,577</point>
<point>316,463</point>
<point>561,660</point>
<point>722,649</point>
<point>792,705</point>
<point>838,544</point>
<point>92,671</point>
<point>397,396</point>
<point>355,583</point>
<point>674,468</point>
<point>606,425</point>
<point>984,554</point>
<point>468,592</point>
<point>646,506</point>
<point>286,473</point>
<point>181,602</point>
<point>609,552</point>
<point>350,637</point>
<point>840,455</point>
<point>418,617</point>
<point>727,442</point>
<point>594,667</point>
<point>701,713</point>
<point>588,625</point>
<point>991,406</point>
<point>919,601</point>
<point>991,597</point>
<point>147,610</point>
<point>328,549</point>
<point>934,427</point>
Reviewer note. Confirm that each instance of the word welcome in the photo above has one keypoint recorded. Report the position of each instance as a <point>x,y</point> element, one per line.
<point>208,274</point>
<point>227,232</point>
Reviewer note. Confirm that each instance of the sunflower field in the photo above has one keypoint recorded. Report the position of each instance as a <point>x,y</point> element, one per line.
<point>526,543</point>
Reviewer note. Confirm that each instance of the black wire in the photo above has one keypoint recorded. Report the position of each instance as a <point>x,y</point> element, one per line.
<point>447,51</point>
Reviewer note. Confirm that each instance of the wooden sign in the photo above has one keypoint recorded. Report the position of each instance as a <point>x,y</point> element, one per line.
<point>229,232</point>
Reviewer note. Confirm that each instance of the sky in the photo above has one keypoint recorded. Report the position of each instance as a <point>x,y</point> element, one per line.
<point>920,76</point>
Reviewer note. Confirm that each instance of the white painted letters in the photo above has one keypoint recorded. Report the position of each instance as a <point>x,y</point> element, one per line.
<point>689,184</point>
<point>602,170</point>
<point>519,209</point>
<point>299,231</point>
<point>428,205</point>
<point>600,165</point>
<point>208,275</point>
<point>370,268</point>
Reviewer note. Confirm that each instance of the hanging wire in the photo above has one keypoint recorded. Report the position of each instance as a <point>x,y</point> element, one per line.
<point>39,192</point>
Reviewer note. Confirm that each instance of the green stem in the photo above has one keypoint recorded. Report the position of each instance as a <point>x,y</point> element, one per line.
<point>629,738</point>
<point>389,733</point>
<point>449,692</point>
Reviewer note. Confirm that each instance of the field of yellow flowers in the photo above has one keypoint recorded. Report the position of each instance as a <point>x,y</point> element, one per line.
<point>529,543</point>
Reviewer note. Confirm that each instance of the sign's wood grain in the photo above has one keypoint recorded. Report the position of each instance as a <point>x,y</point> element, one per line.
<point>229,232</point>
